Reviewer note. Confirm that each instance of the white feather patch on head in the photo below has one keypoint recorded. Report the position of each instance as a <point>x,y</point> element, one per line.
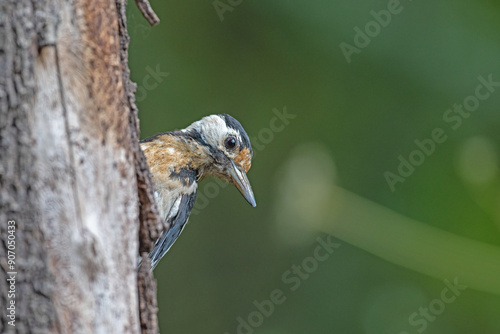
<point>214,130</point>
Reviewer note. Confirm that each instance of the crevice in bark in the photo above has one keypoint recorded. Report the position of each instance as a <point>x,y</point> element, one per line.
<point>71,155</point>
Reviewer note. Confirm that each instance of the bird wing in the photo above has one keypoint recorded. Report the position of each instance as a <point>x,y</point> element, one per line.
<point>176,218</point>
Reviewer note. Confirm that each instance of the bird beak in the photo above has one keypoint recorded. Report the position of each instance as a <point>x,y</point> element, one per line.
<point>241,182</point>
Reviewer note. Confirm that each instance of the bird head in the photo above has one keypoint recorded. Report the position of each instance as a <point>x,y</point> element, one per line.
<point>227,151</point>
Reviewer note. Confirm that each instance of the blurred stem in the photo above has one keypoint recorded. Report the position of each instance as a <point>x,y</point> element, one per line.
<point>412,244</point>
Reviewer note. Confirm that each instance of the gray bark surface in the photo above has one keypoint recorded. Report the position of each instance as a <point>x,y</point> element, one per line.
<point>72,175</point>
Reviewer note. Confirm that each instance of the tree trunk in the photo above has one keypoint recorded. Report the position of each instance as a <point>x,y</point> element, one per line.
<point>75,191</point>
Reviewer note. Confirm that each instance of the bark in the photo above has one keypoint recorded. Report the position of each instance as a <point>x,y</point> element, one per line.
<point>72,175</point>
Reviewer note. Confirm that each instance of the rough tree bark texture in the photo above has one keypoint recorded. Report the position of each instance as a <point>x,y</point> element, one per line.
<point>72,175</point>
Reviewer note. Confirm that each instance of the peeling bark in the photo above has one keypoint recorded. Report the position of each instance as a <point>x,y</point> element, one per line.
<point>72,175</point>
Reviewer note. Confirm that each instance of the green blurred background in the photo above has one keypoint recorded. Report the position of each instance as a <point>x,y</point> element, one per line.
<point>359,117</point>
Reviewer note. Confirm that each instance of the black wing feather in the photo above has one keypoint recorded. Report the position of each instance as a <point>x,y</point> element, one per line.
<point>176,224</point>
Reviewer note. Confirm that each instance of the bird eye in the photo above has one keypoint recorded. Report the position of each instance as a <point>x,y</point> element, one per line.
<point>230,143</point>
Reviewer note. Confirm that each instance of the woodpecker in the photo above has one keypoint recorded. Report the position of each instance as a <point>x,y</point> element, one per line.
<point>216,145</point>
